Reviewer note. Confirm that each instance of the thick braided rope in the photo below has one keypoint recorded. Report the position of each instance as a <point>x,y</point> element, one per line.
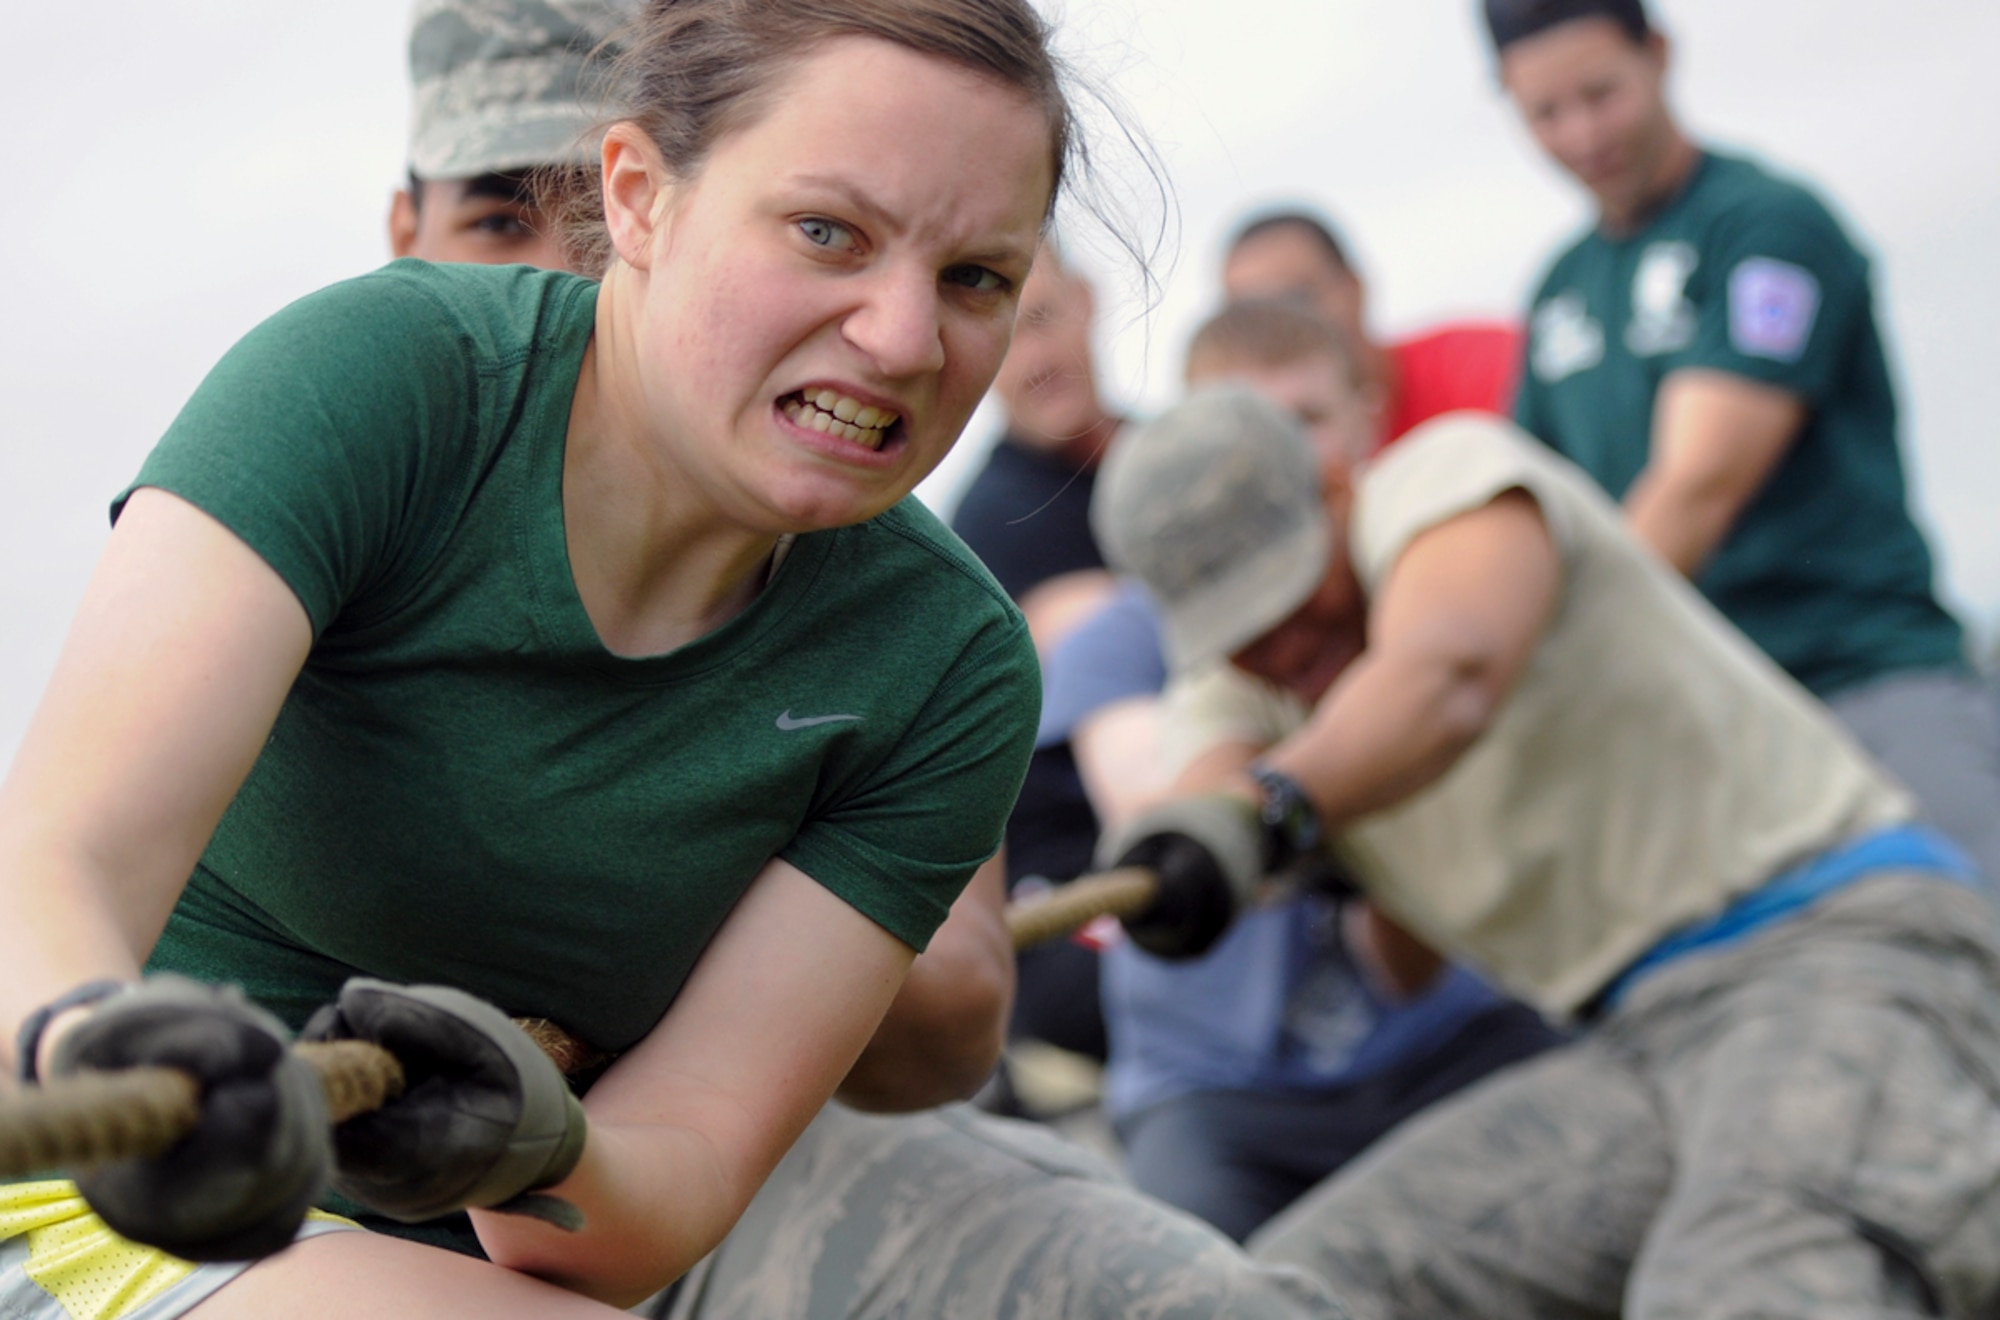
<point>358,1077</point>
<point>136,1112</point>
<point>90,1118</point>
<point>1118,893</point>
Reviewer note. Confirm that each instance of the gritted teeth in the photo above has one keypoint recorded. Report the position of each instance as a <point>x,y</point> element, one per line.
<point>836,414</point>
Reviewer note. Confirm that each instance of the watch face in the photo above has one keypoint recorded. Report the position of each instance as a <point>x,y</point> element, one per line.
<point>1271,807</point>
<point>1291,826</point>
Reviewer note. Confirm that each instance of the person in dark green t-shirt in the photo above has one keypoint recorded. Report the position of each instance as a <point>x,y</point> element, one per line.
<point>823,1237</point>
<point>1709,351</point>
<point>571,643</point>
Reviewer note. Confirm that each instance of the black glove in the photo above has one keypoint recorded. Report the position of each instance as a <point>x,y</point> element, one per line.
<point>1206,851</point>
<point>485,1117</point>
<point>239,1185</point>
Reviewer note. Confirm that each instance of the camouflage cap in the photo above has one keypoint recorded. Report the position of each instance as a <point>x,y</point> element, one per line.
<point>505,85</point>
<point>1215,504</point>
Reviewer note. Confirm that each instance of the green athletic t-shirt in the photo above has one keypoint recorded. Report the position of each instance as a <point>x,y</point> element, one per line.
<point>464,786</point>
<point>1748,274</point>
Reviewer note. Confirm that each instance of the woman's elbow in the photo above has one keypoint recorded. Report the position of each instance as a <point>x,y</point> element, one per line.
<point>941,1039</point>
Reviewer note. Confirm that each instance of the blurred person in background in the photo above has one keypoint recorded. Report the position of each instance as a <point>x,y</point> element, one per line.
<point>1026,513</point>
<point>1294,255</point>
<point>1241,1078</point>
<point>1710,353</point>
<point>1541,751</point>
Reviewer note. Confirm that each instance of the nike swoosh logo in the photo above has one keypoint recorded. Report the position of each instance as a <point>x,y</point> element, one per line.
<point>787,723</point>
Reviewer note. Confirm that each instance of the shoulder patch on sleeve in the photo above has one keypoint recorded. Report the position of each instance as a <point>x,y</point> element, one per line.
<point>1772,305</point>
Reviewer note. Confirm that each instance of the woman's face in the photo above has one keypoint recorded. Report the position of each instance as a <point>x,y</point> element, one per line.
<point>829,296</point>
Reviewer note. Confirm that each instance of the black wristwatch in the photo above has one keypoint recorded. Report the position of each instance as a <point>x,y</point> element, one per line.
<point>1291,824</point>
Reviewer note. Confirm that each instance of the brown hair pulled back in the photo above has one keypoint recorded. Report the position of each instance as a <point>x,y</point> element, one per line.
<point>691,71</point>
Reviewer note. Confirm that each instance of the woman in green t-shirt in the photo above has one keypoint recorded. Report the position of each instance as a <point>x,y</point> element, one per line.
<point>420,645</point>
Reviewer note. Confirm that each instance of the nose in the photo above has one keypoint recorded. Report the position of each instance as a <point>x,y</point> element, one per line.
<point>897,324</point>
<point>1580,134</point>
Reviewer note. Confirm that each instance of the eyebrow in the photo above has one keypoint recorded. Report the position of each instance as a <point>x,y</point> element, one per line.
<point>855,198</point>
<point>499,187</point>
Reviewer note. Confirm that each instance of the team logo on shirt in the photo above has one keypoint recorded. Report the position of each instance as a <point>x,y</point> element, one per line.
<point>1564,338</point>
<point>1772,305</point>
<point>1663,320</point>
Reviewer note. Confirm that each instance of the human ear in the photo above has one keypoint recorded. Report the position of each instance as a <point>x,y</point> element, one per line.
<point>634,188</point>
<point>1658,50</point>
<point>402,223</point>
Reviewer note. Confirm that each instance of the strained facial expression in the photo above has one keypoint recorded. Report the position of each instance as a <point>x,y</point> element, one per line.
<point>831,293</point>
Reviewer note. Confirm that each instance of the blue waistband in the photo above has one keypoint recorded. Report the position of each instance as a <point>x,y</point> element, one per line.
<point>1897,848</point>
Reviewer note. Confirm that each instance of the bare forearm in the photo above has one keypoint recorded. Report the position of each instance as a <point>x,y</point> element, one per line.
<point>1716,439</point>
<point>943,1032</point>
<point>1682,521</point>
<point>164,694</point>
<point>1388,729</point>
<point>1217,767</point>
<point>1450,634</point>
<point>1119,759</point>
<point>56,932</point>
<point>68,914</point>
<point>690,1121</point>
<point>655,1200</point>
<point>75,904</point>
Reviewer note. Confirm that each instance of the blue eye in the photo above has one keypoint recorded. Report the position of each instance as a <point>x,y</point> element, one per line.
<point>825,233</point>
<point>977,278</point>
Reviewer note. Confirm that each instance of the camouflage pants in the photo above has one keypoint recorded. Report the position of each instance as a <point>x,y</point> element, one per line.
<point>956,1215</point>
<point>1803,1124</point>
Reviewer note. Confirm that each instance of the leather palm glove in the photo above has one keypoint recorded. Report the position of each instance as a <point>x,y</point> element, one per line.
<point>1207,851</point>
<point>239,1185</point>
<point>485,1118</point>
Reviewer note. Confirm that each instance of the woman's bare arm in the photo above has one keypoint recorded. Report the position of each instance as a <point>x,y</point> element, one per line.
<point>942,1036</point>
<point>688,1123</point>
<point>167,686</point>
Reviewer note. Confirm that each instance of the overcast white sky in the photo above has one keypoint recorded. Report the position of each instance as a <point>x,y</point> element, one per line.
<point>191,165</point>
